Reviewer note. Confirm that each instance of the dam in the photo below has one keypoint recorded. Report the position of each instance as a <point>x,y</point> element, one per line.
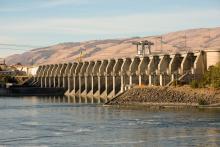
<point>109,77</point>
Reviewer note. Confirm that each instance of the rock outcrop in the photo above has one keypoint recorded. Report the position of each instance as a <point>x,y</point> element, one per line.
<point>166,95</point>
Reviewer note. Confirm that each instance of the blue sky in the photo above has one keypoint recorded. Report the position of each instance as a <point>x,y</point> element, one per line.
<point>47,22</point>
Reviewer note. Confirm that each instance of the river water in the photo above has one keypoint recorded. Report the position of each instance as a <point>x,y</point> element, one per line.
<point>67,122</point>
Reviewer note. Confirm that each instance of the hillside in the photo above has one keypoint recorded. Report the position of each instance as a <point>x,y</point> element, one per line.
<point>196,39</point>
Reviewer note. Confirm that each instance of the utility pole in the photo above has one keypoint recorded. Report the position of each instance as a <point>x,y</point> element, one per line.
<point>185,43</point>
<point>209,38</point>
<point>161,43</point>
<point>209,31</point>
<point>32,62</point>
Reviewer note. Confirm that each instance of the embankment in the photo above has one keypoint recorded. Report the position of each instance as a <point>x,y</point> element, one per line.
<point>168,96</point>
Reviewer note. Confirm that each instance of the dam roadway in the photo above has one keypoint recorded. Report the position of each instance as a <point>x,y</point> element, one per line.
<point>108,78</point>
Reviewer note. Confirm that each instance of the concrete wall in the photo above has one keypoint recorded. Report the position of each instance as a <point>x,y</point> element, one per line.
<point>212,57</point>
<point>108,78</point>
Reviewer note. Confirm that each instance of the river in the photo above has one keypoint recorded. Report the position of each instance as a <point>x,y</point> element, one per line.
<point>67,122</point>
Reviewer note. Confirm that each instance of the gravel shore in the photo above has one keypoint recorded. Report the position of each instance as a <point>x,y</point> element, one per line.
<point>183,95</point>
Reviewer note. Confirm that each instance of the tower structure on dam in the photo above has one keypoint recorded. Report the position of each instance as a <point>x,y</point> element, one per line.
<point>110,77</point>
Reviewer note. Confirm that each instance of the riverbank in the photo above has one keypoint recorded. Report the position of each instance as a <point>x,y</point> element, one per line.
<point>168,96</point>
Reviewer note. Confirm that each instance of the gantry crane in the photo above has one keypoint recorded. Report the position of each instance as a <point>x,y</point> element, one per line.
<point>143,44</point>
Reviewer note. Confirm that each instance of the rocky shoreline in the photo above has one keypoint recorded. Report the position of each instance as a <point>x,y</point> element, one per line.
<point>168,96</point>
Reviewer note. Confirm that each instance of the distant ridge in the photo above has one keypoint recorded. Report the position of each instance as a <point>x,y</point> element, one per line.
<point>196,39</point>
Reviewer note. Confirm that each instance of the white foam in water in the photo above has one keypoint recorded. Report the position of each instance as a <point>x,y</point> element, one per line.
<point>32,123</point>
<point>11,131</point>
<point>202,136</point>
<point>83,130</point>
<point>58,133</point>
<point>132,124</point>
<point>101,127</point>
<point>150,122</point>
<point>216,124</point>
<point>124,142</point>
<point>36,146</point>
<point>175,137</point>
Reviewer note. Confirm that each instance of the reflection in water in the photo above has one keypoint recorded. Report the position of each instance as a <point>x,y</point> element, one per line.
<point>73,99</point>
<point>73,121</point>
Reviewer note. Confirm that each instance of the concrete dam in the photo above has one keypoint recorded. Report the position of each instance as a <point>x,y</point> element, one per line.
<point>108,78</point>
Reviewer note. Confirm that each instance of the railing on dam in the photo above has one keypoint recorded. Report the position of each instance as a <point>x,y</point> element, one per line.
<point>108,78</point>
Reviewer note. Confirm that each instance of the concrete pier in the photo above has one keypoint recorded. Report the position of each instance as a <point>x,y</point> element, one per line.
<point>101,77</point>
<point>142,71</point>
<point>88,79</point>
<point>163,70</point>
<point>65,76</point>
<point>153,69</point>
<point>108,78</point>
<point>133,70</point>
<point>82,81</point>
<point>117,77</point>
<point>76,77</point>
<point>95,79</point>
<point>71,79</point>
<point>56,76</point>
<point>125,77</point>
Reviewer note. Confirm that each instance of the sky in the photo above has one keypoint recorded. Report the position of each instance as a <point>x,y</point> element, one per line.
<point>28,24</point>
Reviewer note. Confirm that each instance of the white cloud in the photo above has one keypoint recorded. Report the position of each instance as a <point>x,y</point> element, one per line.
<point>129,24</point>
<point>63,2</point>
<point>32,5</point>
<point>13,9</point>
<point>6,39</point>
<point>23,31</point>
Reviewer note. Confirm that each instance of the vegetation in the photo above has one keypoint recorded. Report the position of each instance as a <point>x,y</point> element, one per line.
<point>6,79</point>
<point>177,83</point>
<point>210,79</point>
<point>203,102</point>
<point>194,84</point>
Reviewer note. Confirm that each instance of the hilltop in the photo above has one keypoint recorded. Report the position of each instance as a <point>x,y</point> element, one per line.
<point>196,39</point>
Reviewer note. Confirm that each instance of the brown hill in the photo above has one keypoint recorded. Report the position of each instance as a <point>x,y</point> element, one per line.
<point>196,39</point>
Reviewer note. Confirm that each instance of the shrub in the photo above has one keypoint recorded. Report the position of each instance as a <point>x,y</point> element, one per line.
<point>210,78</point>
<point>177,83</point>
<point>203,102</point>
<point>194,84</point>
<point>214,76</point>
<point>174,83</point>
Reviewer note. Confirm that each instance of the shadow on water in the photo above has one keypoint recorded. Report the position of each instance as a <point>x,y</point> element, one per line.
<point>72,100</point>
